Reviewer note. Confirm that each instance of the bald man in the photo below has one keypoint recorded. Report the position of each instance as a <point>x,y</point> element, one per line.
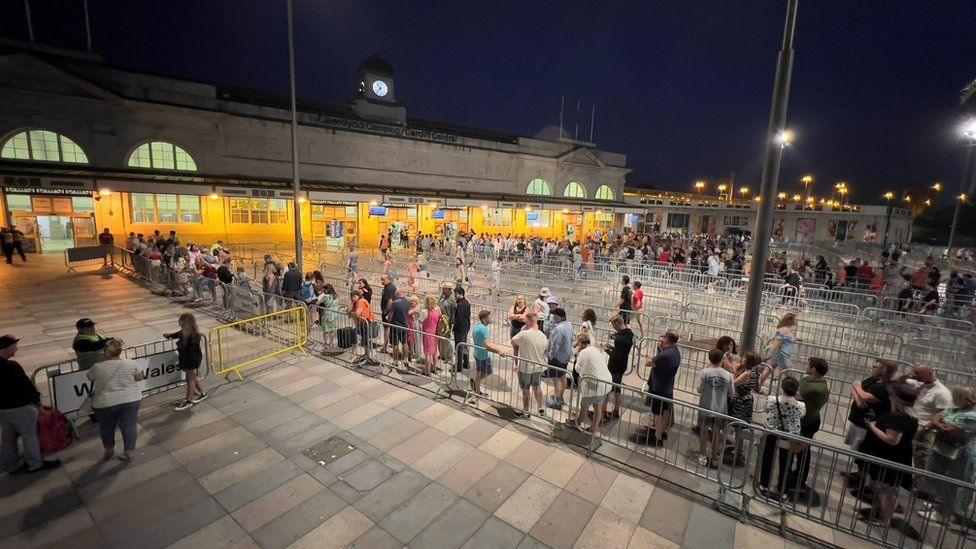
<point>933,398</point>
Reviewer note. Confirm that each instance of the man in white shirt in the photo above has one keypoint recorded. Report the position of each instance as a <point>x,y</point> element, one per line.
<point>541,306</point>
<point>595,381</point>
<point>529,346</point>
<point>933,397</point>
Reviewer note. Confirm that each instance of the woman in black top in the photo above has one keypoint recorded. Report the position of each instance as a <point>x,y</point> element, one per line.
<point>516,318</point>
<point>191,355</point>
<point>890,437</point>
<point>367,290</point>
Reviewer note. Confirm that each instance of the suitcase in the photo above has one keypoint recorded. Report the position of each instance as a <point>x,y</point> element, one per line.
<point>347,337</point>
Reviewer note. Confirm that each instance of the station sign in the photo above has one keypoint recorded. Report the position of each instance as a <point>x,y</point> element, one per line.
<point>16,184</point>
<point>72,389</point>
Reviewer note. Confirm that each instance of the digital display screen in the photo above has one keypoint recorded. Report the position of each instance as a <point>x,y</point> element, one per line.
<point>377,210</point>
<point>438,214</point>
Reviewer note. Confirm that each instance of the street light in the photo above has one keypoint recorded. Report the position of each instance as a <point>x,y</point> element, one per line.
<point>968,131</point>
<point>807,183</point>
<point>937,187</point>
<point>744,191</point>
<point>889,195</point>
<point>781,196</point>
<point>699,186</point>
<point>784,138</point>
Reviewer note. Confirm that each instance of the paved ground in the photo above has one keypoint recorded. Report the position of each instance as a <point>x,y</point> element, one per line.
<point>394,468</point>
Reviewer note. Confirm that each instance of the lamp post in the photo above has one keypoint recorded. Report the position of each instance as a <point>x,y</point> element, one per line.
<point>968,130</point>
<point>807,184</point>
<point>777,138</point>
<point>888,196</point>
<point>296,182</point>
<point>721,190</point>
<point>699,186</point>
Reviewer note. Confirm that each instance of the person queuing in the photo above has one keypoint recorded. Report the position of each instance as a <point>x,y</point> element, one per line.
<point>559,354</point>
<point>116,395</point>
<point>483,346</point>
<point>595,382</point>
<point>19,408</point>
<point>190,356</point>
<point>460,327</point>
<point>88,345</point>
<point>619,349</point>
<point>664,369</point>
<point>530,347</point>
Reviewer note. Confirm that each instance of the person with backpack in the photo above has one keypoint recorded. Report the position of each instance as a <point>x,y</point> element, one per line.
<point>20,404</point>
<point>447,304</point>
<point>116,396</point>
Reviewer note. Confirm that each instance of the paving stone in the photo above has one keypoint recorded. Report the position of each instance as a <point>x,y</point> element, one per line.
<point>225,456</point>
<point>627,497</point>
<point>299,520</point>
<point>303,440</point>
<point>345,491</point>
<point>51,531</point>
<point>644,538</point>
<point>239,470</point>
<point>502,443</point>
<point>368,475</point>
<point>442,458</point>
<point>347,463</point>
<point>666,514</point>
<point>256,485</point>
<point>494,534</point>
<point>393,436</point>
<point>140,494</point>
<point>529,542</point>
<point>559,468</point>
<point>288,430</point>
<point>211,444</point>
<point>377,424</point>
<point>338,531</point>
<point>465,473</point>
<point>592,481</point>
<point>477,432</point>
<point>493,489</point>
<point>130,519</point>
<point>524,507</point>
<point>126,476</point>
<point>225,532</point>
<point>453,527</point>
<point>419,445</point>
<point>390,495</point>
<point>276,502</point>
<point>90,538</point>
<point>255,413</point>
<point>163,532</point>
<point>708,529</point>
<point>606,530</point>
<point>376,538</point>
<point>750,537</point>
<point>275,419</point>
<point>416,513</point>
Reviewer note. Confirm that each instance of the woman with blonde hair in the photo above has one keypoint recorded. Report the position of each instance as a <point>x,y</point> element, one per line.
<point>516,316</point>
<point>953,455</point>
<point>191,355</point>
<point>115,399</point>
<point>782,348</point>
<point>429,317</point>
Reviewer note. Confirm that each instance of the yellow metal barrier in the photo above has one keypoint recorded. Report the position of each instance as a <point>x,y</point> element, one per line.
<point>241,344</point>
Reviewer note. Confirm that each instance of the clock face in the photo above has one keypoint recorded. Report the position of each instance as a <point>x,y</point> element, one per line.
<point>380,88</point>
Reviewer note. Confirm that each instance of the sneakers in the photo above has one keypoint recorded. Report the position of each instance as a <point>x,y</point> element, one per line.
<point>184,405</point>
<point>554,403</point>
<point>703,461</point>
<point>45,465</point>
<point>542,412</point>
<point>200,398</point>
<point>473,400</point>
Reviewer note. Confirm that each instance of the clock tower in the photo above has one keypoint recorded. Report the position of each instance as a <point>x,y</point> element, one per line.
<point>376,92</point>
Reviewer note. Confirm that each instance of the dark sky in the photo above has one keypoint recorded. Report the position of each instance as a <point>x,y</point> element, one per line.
<point>681,87</point>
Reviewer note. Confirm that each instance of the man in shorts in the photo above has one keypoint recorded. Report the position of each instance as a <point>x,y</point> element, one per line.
<point>482,357</point>
<point>399,315</point>
<point>559,355</point>
<point>530,347</point>
<point>664,369</point>
<point>714,388</point>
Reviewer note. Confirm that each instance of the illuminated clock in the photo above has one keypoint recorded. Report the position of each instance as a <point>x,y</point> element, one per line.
<point>380,88</point>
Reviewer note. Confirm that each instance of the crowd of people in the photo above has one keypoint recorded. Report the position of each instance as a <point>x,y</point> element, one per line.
<point>115,393</point>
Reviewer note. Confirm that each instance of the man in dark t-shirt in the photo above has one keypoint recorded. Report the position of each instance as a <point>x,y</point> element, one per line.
<point>399,315</point>
<point>386,304</point>
<point>664,369</point>
<point>868,396</point>
<point>619,351</point>
<point>626,303</point>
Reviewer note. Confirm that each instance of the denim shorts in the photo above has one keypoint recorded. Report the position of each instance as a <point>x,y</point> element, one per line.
<point>529,380</point>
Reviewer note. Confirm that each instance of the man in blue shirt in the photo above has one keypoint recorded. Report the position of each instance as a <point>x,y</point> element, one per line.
<point>664,369</point>
<point>482,358</point>
<point>560,353</point>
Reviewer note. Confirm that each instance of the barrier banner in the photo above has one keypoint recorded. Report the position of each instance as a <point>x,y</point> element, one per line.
<point>73,388</point>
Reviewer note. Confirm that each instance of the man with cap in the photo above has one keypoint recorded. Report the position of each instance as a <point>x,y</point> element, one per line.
<point>559,354</point>
<point>447,304</point>
<point>550,322</point>
<point>541,306</point>
<point>19,407</point>
<point>88,344</point>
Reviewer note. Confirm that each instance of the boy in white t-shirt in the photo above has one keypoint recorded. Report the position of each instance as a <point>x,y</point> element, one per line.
<point>714,390</point>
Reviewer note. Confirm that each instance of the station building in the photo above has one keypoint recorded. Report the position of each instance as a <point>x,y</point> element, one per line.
<point>86,146</point>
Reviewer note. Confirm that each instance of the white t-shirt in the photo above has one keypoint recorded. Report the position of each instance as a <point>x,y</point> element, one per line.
<point>543,309</point>
<point>532,345</point>
<point>592,362</point>
<point>932,398</point>
<point>114,382</point>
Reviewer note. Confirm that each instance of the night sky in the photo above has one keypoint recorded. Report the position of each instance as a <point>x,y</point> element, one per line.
<point>681,87</point>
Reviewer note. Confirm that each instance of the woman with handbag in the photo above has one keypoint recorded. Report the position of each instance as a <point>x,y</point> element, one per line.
<point>952,455</point>
<point>117,392</point>
<point>783,413</point>
<point>191,355</point>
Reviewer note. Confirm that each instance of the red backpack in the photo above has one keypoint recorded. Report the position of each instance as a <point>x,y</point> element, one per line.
<point>54,430</point>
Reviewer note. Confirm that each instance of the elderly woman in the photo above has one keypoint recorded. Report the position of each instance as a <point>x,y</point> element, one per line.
<point>953,455</point>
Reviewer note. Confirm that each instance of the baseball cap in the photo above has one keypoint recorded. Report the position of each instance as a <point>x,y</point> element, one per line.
<point>544,292</point>
<point>7,341</point>
<point>85,323</point>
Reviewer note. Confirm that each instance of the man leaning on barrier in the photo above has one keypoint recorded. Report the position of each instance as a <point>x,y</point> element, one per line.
<point>664,369</point>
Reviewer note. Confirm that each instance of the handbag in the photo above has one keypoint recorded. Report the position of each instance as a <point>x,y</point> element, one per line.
<point>55,431</point>
<point>795,446</point>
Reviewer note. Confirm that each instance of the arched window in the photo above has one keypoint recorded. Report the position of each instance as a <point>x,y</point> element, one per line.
<point>574,190</point>
<point>161,155</point>
<point>539,186</point>
<point>605,193</point>
<point>42,145</point>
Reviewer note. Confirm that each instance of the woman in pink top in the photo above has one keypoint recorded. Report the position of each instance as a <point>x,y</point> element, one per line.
<point>430,317</point>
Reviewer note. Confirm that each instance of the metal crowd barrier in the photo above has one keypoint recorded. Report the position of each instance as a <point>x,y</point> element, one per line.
<point>68,387</point>
<point>237,345</point>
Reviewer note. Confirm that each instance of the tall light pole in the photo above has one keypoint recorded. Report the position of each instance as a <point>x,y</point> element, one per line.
<point>888,196</point>
<point>777,138</point>
<point>969,130</point>
<point>807,184</point>
<point>296,182</point>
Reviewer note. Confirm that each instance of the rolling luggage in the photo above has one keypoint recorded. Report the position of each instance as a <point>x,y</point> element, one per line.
<point>347,337</point>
